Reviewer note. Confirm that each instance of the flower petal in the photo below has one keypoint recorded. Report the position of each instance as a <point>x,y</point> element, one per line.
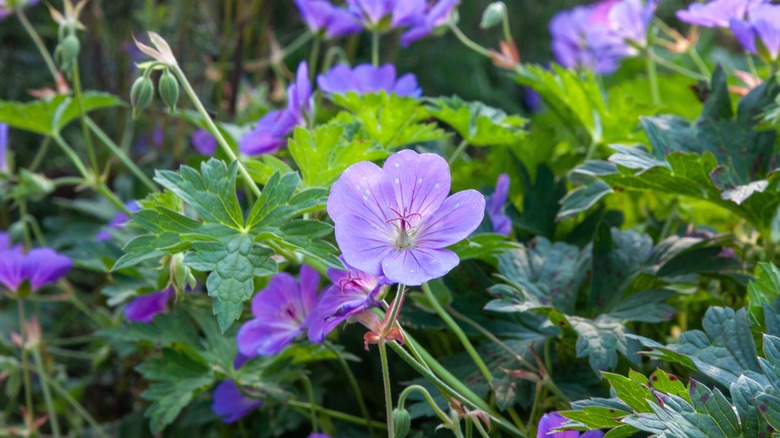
<point>230,404</point>
<point>11,269</point>
<point>275,296</point>
<point>459,216</point>
<point>44,265</point>
<point>335,306</point>
<point>363,243</point>
<point>417,184</point>
<point>359,192</point>
<point>145,307</point>
<point>266,336</point>
<point>415,266</point>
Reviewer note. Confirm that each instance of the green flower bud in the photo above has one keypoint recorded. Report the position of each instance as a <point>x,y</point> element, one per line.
<point>141,94</point>
<point>67,52</point>
<point>402,422</point>
<point>169,89</point>
<point>493,15</point>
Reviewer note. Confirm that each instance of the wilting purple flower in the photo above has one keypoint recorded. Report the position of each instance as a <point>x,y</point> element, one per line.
<point>397,221</point>
<point>321,15</point>
<point>204,142</point>
<point>145,307</point>
<point>230,404</point>
<point>495,206</point>
<point>352,292</point>
<point>282,312</point>
<point>717,13</point>
<point>550,421</point>
<point>39,266</point>
<point>367,78</point>
<point>270,132</point>
<point>3,148</point>
<point>760,33</point>
<point>436,15</point>
<point>375,14</point>
<point>118,222</point>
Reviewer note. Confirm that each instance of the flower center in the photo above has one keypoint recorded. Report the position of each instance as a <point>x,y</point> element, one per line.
<point>404,227</point>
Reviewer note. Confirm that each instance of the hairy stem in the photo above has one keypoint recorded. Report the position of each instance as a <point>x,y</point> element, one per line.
<point>386,381</point>
<point>412,388</point>
<point>652,77</point>
<point>41,370</point>
<point>375,48</point>
<point>38,42</point>
<point>82,115</point>
<point>120,154</point>
<point>30,414</point>
<point>304,406</point>
<point>468,42</point>
<point>355,388</point>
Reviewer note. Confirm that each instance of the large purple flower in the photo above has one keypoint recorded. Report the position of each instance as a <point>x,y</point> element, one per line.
<point>3,148</point>
<point>367,78</point>
<point>495,206</point>
<point>717,13</point>
<point>145,307</point>
<point>230,404</point>
<point>270,132</point>
<point>39,266</point>
<point>397,220</point>
<point>550,421</point>
<point>352,292</point>
<point>760,33</point>
<point>322,16</point>
<point>436,15</point>
<point>282,312</point>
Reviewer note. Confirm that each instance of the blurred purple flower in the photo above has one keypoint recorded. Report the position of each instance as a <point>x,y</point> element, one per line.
<point>145,307</point>
<point>397,221</point>
<point>3,148</point>
<point>204,142</point>
<point>760,33</point>
<point>570,45</point>
<point>118,222</point>
<point>269,134</point>
<point>495,206</point>
<point>39,266</point>
<point>550,421</point>
<point>5,241</point>
<point>383,14</point>
<point>717,13</point>
<point>352,292</point>
<point>321,15</point>
<point>366,78</point>
<point>436,15</point>
<point>230,404</point>
<point>319,435</point>
<point>6,9</point>
<point>282,312</point>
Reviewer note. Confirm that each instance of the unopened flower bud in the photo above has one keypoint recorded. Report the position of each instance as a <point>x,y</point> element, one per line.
<point>68,52</point>
<point>169,89</point>
<point>402,422</point>
<point>493,15</point>
<point>141,94</point>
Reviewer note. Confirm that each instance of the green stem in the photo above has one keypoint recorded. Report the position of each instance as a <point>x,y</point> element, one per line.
<point>312,402</point>
<point>468,42</point>
<point>386,381</point>
<point>675,68</point>
<point>458,150</point>
<point>120,154</point>
<point>396,309</point>
<point>75,404</point>
<point>464,340</point>
<point>25,228</point>
<point>751,64</point>
<point>214,130</point>
<point>40,155</point>
<point>74,158</point>
<point>652,76</point>
<point>314,57</point>
<point>41,370</point>
<point>30,414</point>
<point>481,429</point>
<point>38,42</point>
<point>697,59</point>
<point>355,388</point>
<point>410,389</point>
<point>83,114</point>
<point>375,47</point>
<point>303,406</point>
<point>507,28</point>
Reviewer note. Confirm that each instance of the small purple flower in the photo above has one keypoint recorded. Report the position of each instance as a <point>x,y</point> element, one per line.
<point>319,435</point>
<point>282,312</point>
<point>366,78</point>
<point>571,46</point>
<point>397,220</point>
<point>6,9</point>
<point>321,15</point>
<point>383,14</point>
<point>760,33</point>
<point>269,134</point>
<point>118,222</point>
<point>495,206</point>
<point>550,421</point>
<point>145,307</point>
<point>3,148</point>
<point>40,266</point>
<point>204,142</point>
<point>352,292</point>
<point>717,13</point>
<point>230,404</point>
<point>436,15</point>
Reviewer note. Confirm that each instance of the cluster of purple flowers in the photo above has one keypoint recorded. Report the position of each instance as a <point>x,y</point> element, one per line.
<point>418,17</point>
<point>597,37</point>
<point>37,267</point>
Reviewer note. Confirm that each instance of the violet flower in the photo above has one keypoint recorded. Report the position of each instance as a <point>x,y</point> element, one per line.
<point>118,222</point>
<point>550,421</point>
<point>6,9</point>
<point>570,43</point>
<point>282,312</point>
<point>352,292</point>
<point>366,78</point>
<point>387,14</point>
<point>397,220</point>
<point>322,16</point>
<point>145,307</point>
<point>5,241</point>
<point>437,15</point>
<point>4,148</point>
<point>39,266</point>
<point>204,142</point>
<point>230,404</point>
<point>269,134</point>
<point>717,13</point>
<point>319,435</point>
<point>495,206</point>
<point>760,33</point>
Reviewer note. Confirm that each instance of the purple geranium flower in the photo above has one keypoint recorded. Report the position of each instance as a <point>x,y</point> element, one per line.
<point>230,404</point>
<point>397,221</point>
<point>550,421</point>
<point>39,266</point>
<point>321,15</point>
<point>495,206</point>
<point>367,78</point>
<point>436,15</point>
<point>6,9</point>
<point>760,33</point>
<point>570,45</point>
<point>352,292</point>
<point>3,148</point>
<point>270,132</point>
<point>145,307</point>
<point>118,222</point>
<point>282,312</point>
<point>383,14</point>
<point>717,13</point>
<point>204,142</point>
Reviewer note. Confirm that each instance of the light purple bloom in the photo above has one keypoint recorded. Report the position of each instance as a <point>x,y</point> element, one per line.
<point>717,13</point>
<point>495,206</point>
<point>230,404</point>
<point>397,220</point>
<point>204,142</point>
<point>375,14</point>
<point>3,148</point>
<point>352,292</point>
<point>321,15</point>
<point>118,222</point>
<point>550,421</point>
<point>269,134</point>
<point>760,33</point>
<point>435,16</point>
<point>570,45</point>
<point>39,267</point>
<point>6,10</point>
<point>366,78</point>
<point>145,307</point>
<point>282,312</point>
